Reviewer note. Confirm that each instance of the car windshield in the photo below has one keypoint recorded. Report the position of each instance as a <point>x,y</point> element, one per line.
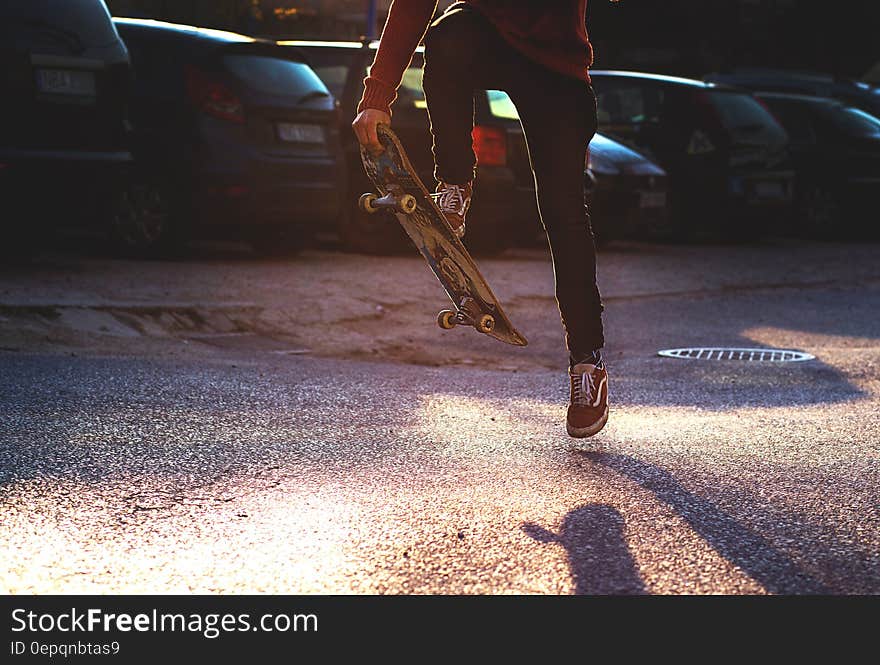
<point>276,76</point>
<point>746,118</point>
<point>853,122</point>
<point>85,21</point>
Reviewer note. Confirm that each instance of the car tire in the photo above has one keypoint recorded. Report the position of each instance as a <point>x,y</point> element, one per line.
<point>147,220</point>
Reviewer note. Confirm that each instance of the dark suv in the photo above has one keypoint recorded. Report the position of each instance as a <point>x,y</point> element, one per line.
<point>836,153</point>
<point>233,137</point>
<point>727,157</point>
<point>504,210</point>
<point>64,74</point>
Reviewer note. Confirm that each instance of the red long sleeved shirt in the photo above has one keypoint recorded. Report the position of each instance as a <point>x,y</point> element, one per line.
<point>551,32</point>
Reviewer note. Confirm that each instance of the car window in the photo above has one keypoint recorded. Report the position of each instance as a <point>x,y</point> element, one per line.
<point>629,103</point>
<point>332,66</point>
<point>744,116</point>
<point>333,76</point>
<point>501,105</point>
<point>86,22</point>
<point>275,75</point>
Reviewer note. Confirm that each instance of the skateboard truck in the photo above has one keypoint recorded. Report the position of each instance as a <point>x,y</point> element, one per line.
<point>371,203</point>
<point>448,319</point>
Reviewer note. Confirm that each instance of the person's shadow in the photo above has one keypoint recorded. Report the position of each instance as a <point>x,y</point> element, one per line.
<point>600,561</point>
<point>740,544</point>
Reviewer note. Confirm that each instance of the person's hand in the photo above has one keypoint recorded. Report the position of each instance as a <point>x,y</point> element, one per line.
<point>364,126</point>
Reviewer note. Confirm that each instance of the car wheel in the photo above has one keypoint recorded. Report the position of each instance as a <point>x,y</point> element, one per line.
<point>143,221</point>
<point>820,212</point>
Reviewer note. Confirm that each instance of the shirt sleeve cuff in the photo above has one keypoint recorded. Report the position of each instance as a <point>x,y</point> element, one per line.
<point>377,95</point>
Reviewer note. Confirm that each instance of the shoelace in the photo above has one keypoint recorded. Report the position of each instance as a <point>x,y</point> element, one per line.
<point>579,396</point>
<point>451,198</point>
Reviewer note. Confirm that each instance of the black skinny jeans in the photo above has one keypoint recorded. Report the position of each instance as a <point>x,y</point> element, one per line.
<point>464,53</point>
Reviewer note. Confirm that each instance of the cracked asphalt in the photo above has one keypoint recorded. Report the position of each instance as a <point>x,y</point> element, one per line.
<point>224,425</point>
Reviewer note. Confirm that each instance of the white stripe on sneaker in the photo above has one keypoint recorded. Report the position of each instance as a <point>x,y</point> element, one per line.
<point>599,391</point>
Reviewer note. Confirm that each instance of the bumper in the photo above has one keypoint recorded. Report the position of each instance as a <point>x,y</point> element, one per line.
<point>629,207</point>
<point>40,184</point>
<point>762,190</point>
<point>38,167</point>
<point>305,193</point>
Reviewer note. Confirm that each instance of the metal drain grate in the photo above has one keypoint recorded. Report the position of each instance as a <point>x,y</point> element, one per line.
<point>750,355</point>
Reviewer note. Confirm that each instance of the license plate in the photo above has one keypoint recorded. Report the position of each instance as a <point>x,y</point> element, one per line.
<point>769,190</point>
<point>66,82</point>
<point>652,199</point>
<point>295,133</point>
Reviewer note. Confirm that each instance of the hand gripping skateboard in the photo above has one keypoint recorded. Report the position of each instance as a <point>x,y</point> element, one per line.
<point>403,193</point>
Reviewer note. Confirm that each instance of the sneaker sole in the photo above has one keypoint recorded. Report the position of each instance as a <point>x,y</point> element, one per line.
<point>584,432</point>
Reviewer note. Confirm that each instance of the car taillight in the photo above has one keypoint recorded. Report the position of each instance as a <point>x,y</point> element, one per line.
<point>213,96</point>
<point>587,159</point>
<point>490,145</point>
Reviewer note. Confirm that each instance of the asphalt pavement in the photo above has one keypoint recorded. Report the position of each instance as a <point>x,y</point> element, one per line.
<point>251,471</point>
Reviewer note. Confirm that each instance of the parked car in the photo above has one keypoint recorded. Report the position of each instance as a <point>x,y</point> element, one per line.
<point>503,208</point>
<point>627,193</point>
<point>836,153</point>
<point>727,159</point>
<point>63,83</point>
<point>235,137</point>
<point>860,94</point>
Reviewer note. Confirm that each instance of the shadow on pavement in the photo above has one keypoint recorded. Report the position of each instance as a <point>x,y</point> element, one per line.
<point>737,543</point>
<point>593,536</point>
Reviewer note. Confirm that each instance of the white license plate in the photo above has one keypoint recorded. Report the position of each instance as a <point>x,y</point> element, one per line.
<point>769,190</point>
<point>652,199</point>
<point>296,133</point>
<point>66,82</point>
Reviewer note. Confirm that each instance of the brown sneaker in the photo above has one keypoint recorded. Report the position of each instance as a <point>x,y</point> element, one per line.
<point>588,410</point>
<point>454,201</point>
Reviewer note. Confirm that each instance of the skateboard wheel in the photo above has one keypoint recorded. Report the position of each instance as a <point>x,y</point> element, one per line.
<point>486,324</point>
<point>367,203</point>
<point>446,319</point>
<point>408,203</point>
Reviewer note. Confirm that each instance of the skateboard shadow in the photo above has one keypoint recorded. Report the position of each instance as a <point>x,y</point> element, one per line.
<point>736,542</point>
<point>600,561</point>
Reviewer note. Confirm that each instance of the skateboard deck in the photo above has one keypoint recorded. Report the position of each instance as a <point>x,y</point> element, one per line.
<point>403,193</point>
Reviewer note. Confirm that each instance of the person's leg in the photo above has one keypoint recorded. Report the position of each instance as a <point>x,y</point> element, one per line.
<point>558,114</point>
<point>464,53</point>
<point>458,61</point>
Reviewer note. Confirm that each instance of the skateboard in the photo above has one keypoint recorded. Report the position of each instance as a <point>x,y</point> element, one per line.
<point>402,192</point>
